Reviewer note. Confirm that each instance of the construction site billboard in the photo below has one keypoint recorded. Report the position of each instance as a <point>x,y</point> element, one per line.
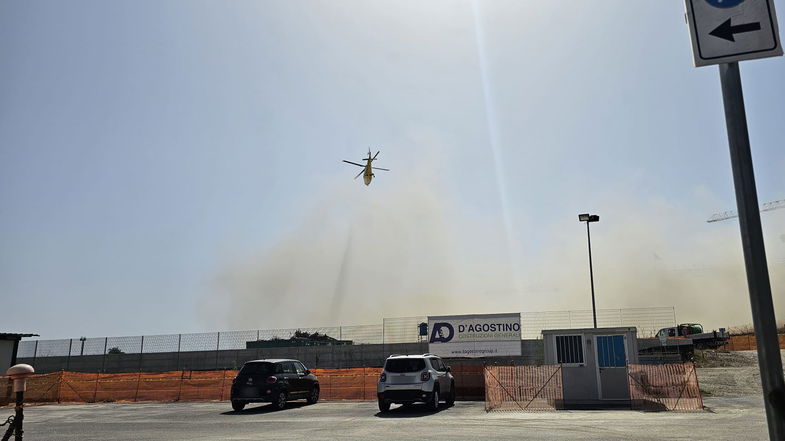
<point>475,336</point>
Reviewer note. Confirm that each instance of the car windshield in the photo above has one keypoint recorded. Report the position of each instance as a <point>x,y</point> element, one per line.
<point>405,365</point>
<point>258,369</point>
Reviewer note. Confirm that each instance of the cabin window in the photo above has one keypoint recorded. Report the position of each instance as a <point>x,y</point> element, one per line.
<point>569,349</point>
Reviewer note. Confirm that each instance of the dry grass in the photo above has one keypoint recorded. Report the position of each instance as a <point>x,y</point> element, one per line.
<point>748,329</point>
<point>712,358</point>
<point>741,330</point>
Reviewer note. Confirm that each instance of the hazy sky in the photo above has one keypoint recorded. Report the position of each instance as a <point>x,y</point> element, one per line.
<point>175,166</point>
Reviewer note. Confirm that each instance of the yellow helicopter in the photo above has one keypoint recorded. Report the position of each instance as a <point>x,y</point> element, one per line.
<point>367,168</point>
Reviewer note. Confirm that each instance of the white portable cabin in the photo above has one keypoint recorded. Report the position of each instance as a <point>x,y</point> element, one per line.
<point>594,364</point>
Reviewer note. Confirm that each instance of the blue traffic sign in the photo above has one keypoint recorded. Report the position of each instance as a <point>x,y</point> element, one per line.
<point>724,3</point>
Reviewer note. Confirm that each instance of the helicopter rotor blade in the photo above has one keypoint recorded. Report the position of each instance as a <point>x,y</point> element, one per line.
<point>353,163</point>
<point>378,168</point>
<point>374,156</point>
<point>358,174</point>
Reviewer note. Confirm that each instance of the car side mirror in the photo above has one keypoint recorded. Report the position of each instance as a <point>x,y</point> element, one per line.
<point>307,372</point>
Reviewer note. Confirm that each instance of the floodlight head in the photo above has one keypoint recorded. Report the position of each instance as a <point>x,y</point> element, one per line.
<point>583,217</point>
<point>594,218</point>
<point>586,217</point>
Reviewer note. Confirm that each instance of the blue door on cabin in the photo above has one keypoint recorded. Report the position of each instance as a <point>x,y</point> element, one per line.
<point>612,367</point>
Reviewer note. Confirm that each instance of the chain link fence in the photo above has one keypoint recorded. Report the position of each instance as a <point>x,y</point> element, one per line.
<point>391,331</point>
<point>647,320</point>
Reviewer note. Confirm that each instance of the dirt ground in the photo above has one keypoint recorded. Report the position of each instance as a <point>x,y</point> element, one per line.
<point>728,373</point>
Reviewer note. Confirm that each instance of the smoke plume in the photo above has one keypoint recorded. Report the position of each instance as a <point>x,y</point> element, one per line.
<point>364,253</point>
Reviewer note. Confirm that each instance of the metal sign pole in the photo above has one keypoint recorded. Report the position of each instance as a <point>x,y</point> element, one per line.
<point>754,252</point>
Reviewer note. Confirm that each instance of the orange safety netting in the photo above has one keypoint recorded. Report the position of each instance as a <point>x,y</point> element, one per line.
<point>747,343</point>
<point>523,388</point>
<point>469,382</point>
<point>347,384</point>
<point>360,383</point>
<point>664,387</point>
<point>336,384</point>
<point>140,386</point>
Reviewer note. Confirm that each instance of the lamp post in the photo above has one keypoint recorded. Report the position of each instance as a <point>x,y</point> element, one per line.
<point>589,218</point>
<point>82,339</point>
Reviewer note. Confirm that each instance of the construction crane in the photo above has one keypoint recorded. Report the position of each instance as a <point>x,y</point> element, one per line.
<point>768,206</point>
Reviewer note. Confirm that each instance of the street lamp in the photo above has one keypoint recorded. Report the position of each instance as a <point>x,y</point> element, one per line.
<point>82,339</point>
<point>589,218</point>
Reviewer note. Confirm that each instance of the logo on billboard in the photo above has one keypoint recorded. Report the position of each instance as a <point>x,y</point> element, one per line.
<point>437,335</point>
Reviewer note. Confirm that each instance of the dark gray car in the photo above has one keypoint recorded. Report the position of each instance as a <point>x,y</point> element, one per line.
<point>273,381</point>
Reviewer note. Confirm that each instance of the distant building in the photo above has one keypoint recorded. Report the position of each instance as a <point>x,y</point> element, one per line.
<point>300,338</point>
<point>9,344</point>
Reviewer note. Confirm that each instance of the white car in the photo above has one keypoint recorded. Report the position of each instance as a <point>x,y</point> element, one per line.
<point>408,379</point>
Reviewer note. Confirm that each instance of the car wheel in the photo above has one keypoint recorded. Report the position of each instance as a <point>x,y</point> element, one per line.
<point>313,397</point>
<point>384,405</point>
<point>238,405</point>
<point>451,396</point>
<point>280,400</point>
<point>434,403</point>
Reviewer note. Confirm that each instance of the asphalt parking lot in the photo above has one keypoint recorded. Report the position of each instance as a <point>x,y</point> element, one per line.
<point>726,419</point>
